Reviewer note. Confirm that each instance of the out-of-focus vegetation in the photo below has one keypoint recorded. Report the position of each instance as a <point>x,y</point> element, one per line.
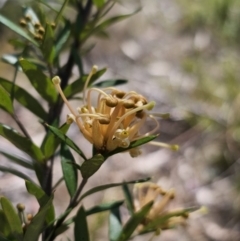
<point>213,64</point>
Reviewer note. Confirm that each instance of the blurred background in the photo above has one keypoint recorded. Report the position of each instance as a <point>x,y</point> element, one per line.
<point>183,54</point>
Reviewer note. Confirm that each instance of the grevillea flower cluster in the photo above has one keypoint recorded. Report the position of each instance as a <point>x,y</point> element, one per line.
<point>115,121</point>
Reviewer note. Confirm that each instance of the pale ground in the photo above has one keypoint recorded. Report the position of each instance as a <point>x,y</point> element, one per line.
<point>143,50</point>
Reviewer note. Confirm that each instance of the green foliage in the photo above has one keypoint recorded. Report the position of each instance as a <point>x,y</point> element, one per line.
<point>47,31</point>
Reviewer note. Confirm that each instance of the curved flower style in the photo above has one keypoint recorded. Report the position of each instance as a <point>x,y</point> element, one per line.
<point>115,121</point>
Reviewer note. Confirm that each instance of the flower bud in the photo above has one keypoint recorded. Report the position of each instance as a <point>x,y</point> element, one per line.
<point>56,80</point>
<point>20,207</point>
<point>23,22</point>
<point>41,30</point>
<point>111,101</point>
<point>128,104</point>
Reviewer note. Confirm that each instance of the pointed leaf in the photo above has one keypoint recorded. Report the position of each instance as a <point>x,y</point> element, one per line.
<point>48,47</point>
<point>3,239</point>
<point>62,38</point>
<point>59,14</point>
<point>39,80</point>
<point>51,141</point>
<point>66,140</point>
<point>106,24</point>
<point>103,187</point>
<point>42,199</point>
<point>18,160</point>
<point>99,3</point>
<point>69,171</point>
<point>78,85</point>
<point>133,222</point>
<point>21,142</point>
<point>115,224</point>
<point>17,29</point>
<point>35,228</point>
<point>24,98</point>
<point>128,198</point>
<point>5,101</point>
<point>133,144</point>
<point>109,83</point>
<point>89,167</point>
<point>14,172</point>
<point>104,207</point>
<point>81,227</point>
<point>12,218</point>
<point>4,227</point>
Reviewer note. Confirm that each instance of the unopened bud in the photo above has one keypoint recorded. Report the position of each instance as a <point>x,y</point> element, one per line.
<point>53,25</point>
<point>38,37</point>
<point>37,25</point>
<point>41,30</point>
<point>174,147</point>
<point>28,18</point>
<point>128,104</point>
<point>56,80</point>
<point>94,69</point>
<point>29,217</point>
<point>120,94</point>
<point>151,105</point>
<point>23,22</point>
<point>111,102</point>
<point>104,120</point>
<point>20,207</point>
<point>70,119</point>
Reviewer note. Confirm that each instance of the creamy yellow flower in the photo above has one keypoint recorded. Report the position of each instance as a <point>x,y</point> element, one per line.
<point>115,121</point>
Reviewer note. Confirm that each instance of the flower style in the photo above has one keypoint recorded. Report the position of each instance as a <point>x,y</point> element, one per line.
<point>147,192</point>
<point>115,121</point>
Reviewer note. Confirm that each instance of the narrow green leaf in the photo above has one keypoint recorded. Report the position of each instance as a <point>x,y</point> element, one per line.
<point>103,187</point>
<point>21,142</point>
<point>3,239</point>
<point>39,80</point>
<point>106,24</point>
<point>17,43</point>
<point>42,199</point>
<point>61,11</point>
<point>97,209</point>
<point>81,227</point>
<point>66,140</point>
<point>24,98</point>
<point>133,222</point>
<point>90,166</point>
<point>78,85</point>
<point>48,47</point>
<point>14,172</point>
<point>4,227</point>
<point>36,226</point>
<point>115,224</point>
<point>99,3</point>
<point>17,29</point>
<point>12,218</point>
<point>69,171</point>
<point>78,62</point>
<point>51,141</point>
<point>104,207</point>
<point>62,38</point>
<point>17,159</point>
<point>133,144</point>
<point>5,101</point>
<point>128,198</point>
<point>109,83</point>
